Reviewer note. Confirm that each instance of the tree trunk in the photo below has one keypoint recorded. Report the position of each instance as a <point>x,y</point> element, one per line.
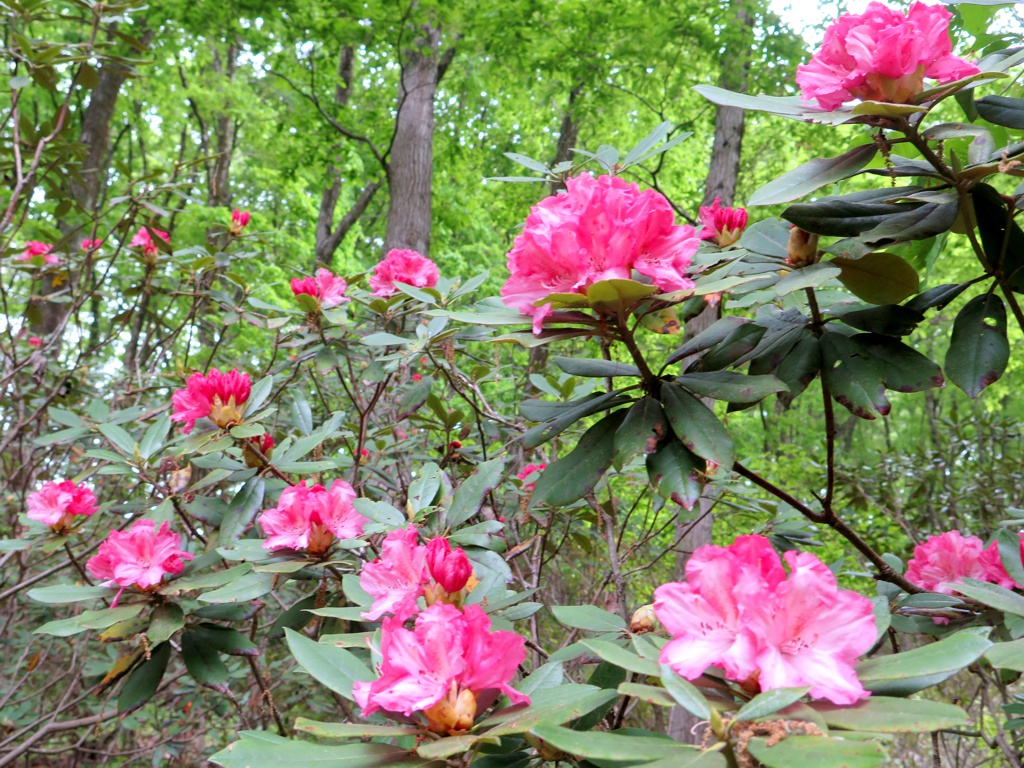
<point>723,175</point>
<point>411,164</point>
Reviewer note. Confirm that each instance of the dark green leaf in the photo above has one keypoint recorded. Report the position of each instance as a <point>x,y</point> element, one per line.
<point>621,657</point>
<point>203,662</point>
<point>685,693</point>
<point>799,368</point>
<point>903,369</point>
<point>978,349</point>
<point>259,749</point>
<point>576,474</point>
<point>544,432</point>
<point>225,640</point>
<point>414,398</point>
<point>598,368</point>
<point>716,333</point>
<point>850,215</point>
<point>471,493</point>
<point>613,746</point>
<point>242,510</point>
<point>887,320</point>
<point>884,714</point>
<point>937,297</point>
<point>813,175</point>
<point>818,752</point>
<point>1010,554</point>
<point>731,386</point>
<point>993,595</point>
<point>674,471</point>
<point>588,617</point>
<point>769,237</point>
<point>1002,110</point>
<point>696,426</point>
<point>902,674</point>
<point>144,680</point>
<point>1001,237</point>
<point>335,667</point>
<point>878,278</point>
<point>852,377</point>
<point>641,431</point>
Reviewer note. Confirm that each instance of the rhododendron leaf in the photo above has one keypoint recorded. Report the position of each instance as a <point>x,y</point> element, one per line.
<point>225,640</point>
<point>349,730</point>
<point>769,702</point>
<point>258,395</point>
<point>596,368</point>
<point>993,596</point>
<point>685,693</point>
<point>902,674</point>
<point>731,386</point>
<point>618,295</point>
<point>335,667</point>
<point>652,694</point>
<point>68,594</point>
<point>1010,554</point>
<point>208,579</point>
<point>563,301</point>
<point>89,620</point>
<point>245,504</point>
<point>641,431</point>
<point>647,147</point>
<point>852,377</point>
<point>1008,655</point>
<point>818,752</point>
<point>260,749</point>
<point>769,237</point>
<point>787,106</point>
<point>663,321</point>
<point>806,277</point>
<point>621,657</point>
<point>850,215</point>
<point>118,437</point>
<point>884,714</point>
<point>588,617</point>
<point>1001,240</point>
<point>144,680</point>
<point>247,587</point>
<point>203,662</point>
<point>813,175</point>
<point>879,278</point>
<point>598,745</point>
<point>380,512</point>
<point>1002,110</point>
<point>545,677</point>
<point>428,296</point>
<point>887,319</point>
<point>674,471</point>
<point>168,618</point>
<point>696,425</point>
<point>124,629</point>
<point>799,368</point>
<point>550,705</point>
<point>577,473</point>
<point>452,745</point>
<point>154,437</point>
<point>740,343</point>
<point>527,162</point>
<point>904,369</point>
<point>470,495</point>
<point>978,348</point>
<point>886,108</point>
<point>423,490</point>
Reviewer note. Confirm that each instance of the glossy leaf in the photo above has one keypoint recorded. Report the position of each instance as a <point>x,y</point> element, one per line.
<point>622,657</point>
<point>588,617</point>
<point>577,473</point>
<point>86,620</point>
<point>852,377</point>
<point>886,320</point>
<point>260,749</point>
<point>550,706</point>
<point>1002,110</point>
<point>597,745</point>
<point>594,367</point>
<point>1002,238</point>
<point>696,426</point>
<point>905,673</point>
<point>144,680</point>
<point>878,278</point>
<point>993,596</point>
<point>770,702</point>
<point>885,714</point>
<point>731,386</point>
<point>568,416</point>
<point>714,334</point>
<point>674,471</point>
<point>852,214</point>
<point>69,594</point>
<point>335,667</point>
<point>471,494</point>
<point>685,693</point>
<point>978,348</point>
<point>813,175</point>
<point>903,369</point>
<point>1010,554</point>
<point>203,662</point>
<point>818,752</point>
<point>643,428</point>
<point>799,368</point>
<point>244,506</point>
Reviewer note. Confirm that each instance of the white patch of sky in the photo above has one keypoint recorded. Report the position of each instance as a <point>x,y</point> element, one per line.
<point>809,18</point>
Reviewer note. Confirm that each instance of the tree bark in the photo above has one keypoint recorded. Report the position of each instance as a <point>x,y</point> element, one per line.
<point>411,163</point>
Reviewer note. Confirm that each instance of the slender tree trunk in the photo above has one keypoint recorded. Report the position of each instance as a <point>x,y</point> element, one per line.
<point>411,164</point>
<point>723,175</point>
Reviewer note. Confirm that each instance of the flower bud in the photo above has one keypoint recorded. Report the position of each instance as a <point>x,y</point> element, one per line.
<point>239,221</point>
<point>451,569</point>
<point>264,443</point>
<point>454,714</point>
<point>802,248</point>
<point>549,753</point>
<point>643,620</point>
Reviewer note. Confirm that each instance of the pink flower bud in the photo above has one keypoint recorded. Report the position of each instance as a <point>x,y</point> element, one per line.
<point>91,245</point>
<point>35,341</point>
<point>723,225</point>
<point>417,377</point>
<point>802,248</point>
<point>144,240</point>
<point>239,221</point>
<point>449,568</point>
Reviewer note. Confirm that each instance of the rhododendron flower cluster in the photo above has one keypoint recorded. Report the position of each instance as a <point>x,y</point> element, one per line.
<point>943,561</point>
<point>140,556</point>
<point>58,504</point>
<point>738,610</point>
<point>598,229</point>
<point>407,570</point>
<point>442,667</point>
<point>721,224</point>
<point>144,240</point>
<point>328,290</point>
<point>528,470</point>
<point>239,221</point>
<point>882,55</point>
<point>39,248</point>
<point>217,396</point>
<point>403,266</point>
<point>311,518</point>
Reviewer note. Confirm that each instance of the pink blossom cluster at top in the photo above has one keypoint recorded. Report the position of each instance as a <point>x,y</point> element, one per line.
<point>310,519</point>
<point>140,556</point>
<point>882,55</point>
<point>407,570</point>
<point>218,396</point>
<point>738,610</point>
<point>328,290</point>
<point>598,229</point>
<point>144,240</point>
<point>239,221</point>
<point>403,266</point>
<point>722,224</point>
<point>451,664</point>
<point>58,504</point>
<point>38,248</point>
<point>943,561</point>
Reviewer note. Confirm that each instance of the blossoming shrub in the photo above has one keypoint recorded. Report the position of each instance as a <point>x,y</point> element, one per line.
<point>353,551</point>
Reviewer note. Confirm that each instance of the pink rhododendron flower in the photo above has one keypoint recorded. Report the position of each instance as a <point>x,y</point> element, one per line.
<point>441,667</point>
<point>218,396</point>
<point>995,571</point>
<point>35,341</point>
<point>328,290</point>
<point>406,267</point>
<point>450,568</point>
<point>396,579</point>
<point>528,470</point>
<point>598,229</point>
<point>239,221</point>
<point>38,248</point>
<point>738,610</point>
<point>58,504</point>
<point>943,561</point>
<point>311,518</point>
<point>417,377</point>
<point>882,55</point>
<point>144,240</point>
<point>721,224</point>
<point>140,556</point>
<point>90,245</point>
